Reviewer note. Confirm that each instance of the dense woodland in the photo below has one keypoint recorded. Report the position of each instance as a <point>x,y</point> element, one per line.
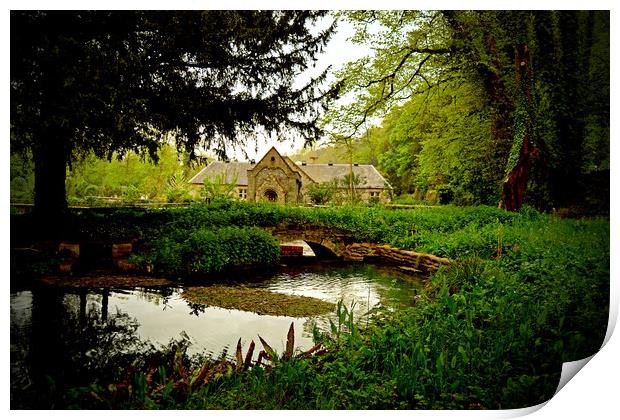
<point>469,100</point>
<point>467,107</point>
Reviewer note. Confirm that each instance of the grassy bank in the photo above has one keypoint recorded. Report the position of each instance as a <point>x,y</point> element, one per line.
<point>528,291</point>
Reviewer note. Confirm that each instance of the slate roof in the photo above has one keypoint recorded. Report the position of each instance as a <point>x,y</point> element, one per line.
<point>323,172</point>
<point>236,172</point>
<point>318,172</point>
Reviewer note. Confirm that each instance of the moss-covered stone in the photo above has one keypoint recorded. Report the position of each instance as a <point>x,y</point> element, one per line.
<point>106,280</point>
<point>260,301</point>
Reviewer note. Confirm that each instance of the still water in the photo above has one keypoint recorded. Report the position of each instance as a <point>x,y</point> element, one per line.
<point>48,324</point>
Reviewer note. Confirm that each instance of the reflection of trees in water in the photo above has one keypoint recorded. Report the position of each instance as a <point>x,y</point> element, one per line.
<point>157,296</point>
<point>196,308</point>
<point>75,341</point>
<point>20,333</point>
<point>96,300</point>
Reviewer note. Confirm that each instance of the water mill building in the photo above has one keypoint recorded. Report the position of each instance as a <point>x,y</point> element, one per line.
<point>276,178</point>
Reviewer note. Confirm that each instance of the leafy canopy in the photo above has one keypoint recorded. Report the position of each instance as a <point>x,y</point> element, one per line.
<point>113,81</point>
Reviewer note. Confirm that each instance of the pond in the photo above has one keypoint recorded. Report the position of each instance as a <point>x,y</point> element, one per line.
<point>55,328</point>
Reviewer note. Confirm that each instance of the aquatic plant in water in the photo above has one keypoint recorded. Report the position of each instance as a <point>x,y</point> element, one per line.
<point>260,301</point>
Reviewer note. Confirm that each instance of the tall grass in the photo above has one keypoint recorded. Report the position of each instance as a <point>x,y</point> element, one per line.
<point>527,292</point>
<point>489,334</point>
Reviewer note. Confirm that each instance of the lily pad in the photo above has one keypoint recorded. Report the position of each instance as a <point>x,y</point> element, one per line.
<point>260,301</point>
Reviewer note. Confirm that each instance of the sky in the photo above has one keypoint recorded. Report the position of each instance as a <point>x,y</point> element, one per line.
<point>338,51</point>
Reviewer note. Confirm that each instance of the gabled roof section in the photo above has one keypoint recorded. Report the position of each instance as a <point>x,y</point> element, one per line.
<point>291,165</point>
<point>231,172</point>
<point>273,154</point>
<point>296,167</point>
<point>237,172</point>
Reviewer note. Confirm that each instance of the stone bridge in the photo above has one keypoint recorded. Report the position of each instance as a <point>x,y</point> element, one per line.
<point>326,241</point>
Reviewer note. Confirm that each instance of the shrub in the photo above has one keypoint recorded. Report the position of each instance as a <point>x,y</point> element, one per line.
<point>207,251</point>
<point>321,193</point>
<point>131,194</point>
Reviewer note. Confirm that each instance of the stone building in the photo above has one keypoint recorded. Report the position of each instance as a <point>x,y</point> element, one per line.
<point>278,179</point>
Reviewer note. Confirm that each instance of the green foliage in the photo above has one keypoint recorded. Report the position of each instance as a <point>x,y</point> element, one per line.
<point>444,230</point>
<point>178,190</point>
<point>22,179</point>
<point>131,194</point>
<point>322,193</point>
<point>27,264</point>
<point>526,291</point>
<point>424,229</point>
<point>443,138</point>
<point>455,107</point>
<point>131,179</point>
<point>219,188</point>
<point>490,333</point>
<point>205,251</point>
<point>97,89</point>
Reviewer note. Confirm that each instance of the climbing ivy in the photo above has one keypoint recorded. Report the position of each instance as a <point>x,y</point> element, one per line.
<point>521,128</point>
<point>423,61</point>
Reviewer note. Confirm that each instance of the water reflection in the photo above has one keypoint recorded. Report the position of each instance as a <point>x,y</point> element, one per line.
<point>211,329</point>
<point>73,334</point>
<point>60,338</point>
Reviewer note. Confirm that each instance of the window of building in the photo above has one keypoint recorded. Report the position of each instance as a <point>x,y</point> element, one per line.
<point>375,194</point>
<point>243,193</point>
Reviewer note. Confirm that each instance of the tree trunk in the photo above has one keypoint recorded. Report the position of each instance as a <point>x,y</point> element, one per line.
<point>515,184</point>
<point>351,181</point>
<point>50,202</point>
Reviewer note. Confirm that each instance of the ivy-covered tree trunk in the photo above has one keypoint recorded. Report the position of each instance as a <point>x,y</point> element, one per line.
<point>520,158</point>
<point>515,184</point>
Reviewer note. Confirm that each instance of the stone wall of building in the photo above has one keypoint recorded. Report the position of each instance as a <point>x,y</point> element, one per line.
<point>278,179</point>
<point>272,179</point>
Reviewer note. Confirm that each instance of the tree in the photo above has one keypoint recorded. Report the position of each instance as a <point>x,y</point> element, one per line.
<point>219,187</point>
<point>322,193</point>
<point>535,69</point>
<point>347,143</point>
<point>406,44</point>
<point>22,179</point>
<point>110,81</point>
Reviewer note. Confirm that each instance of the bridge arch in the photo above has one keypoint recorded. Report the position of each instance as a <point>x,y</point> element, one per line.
<point>321,251</point>
<point>341,244</point>
<point>325,242</point>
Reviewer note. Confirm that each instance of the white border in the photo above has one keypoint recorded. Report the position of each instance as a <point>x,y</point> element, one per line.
<point>592,394</point>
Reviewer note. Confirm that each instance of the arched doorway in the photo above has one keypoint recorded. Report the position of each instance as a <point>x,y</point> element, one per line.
<point>271,195</point>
